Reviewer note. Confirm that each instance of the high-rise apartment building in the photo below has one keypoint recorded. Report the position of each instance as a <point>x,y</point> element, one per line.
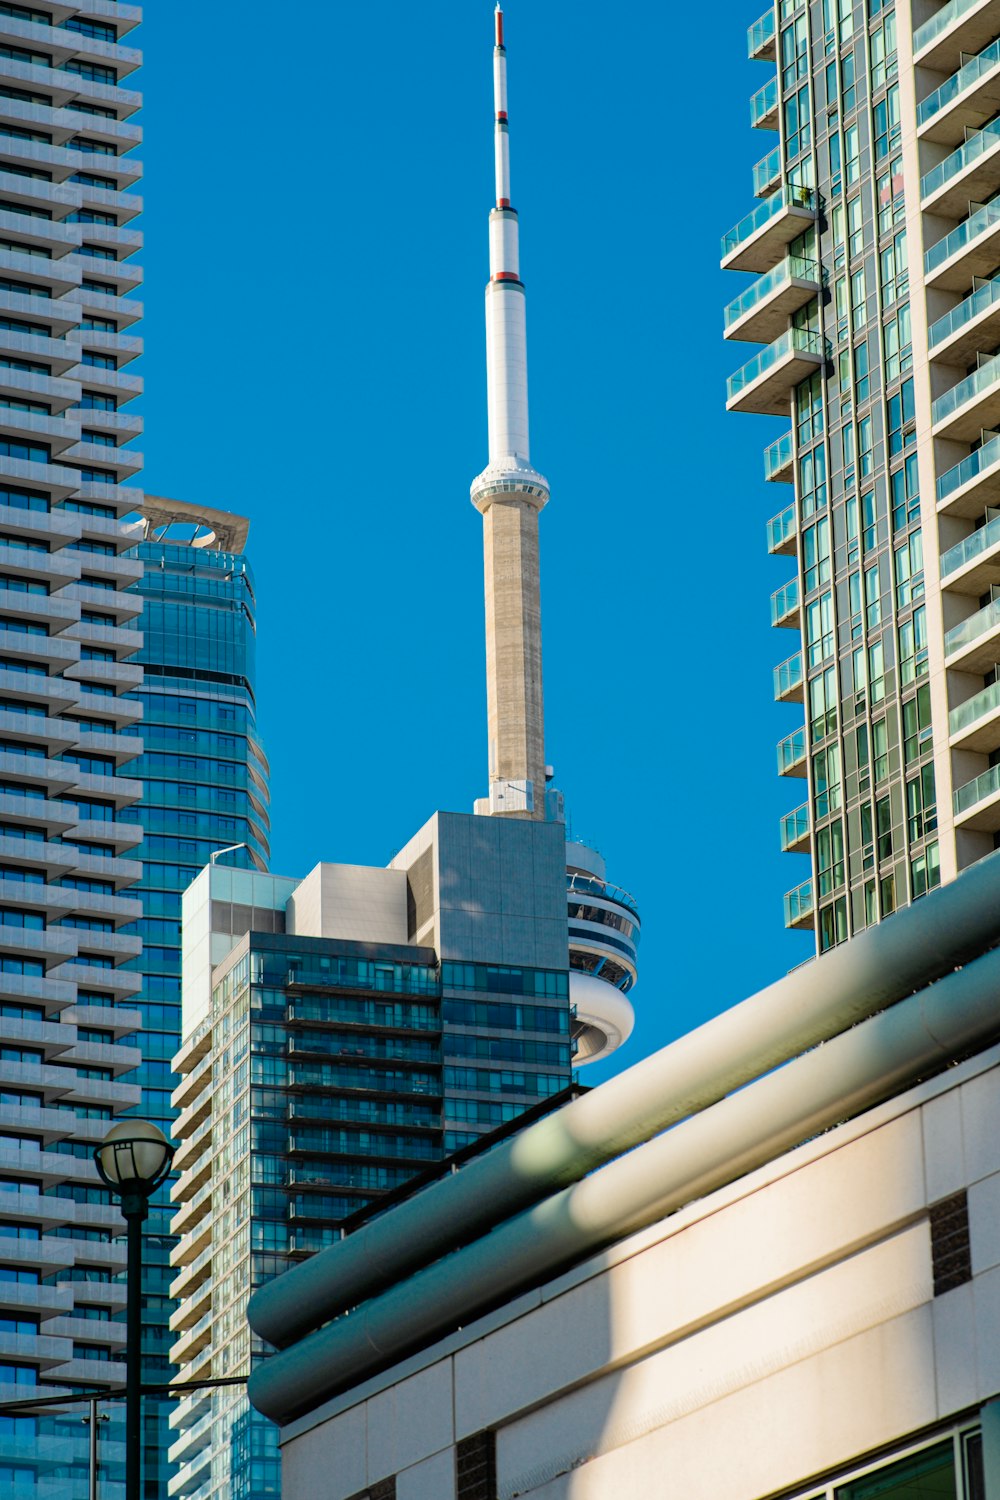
<point>875,252</point>
<point>67,637</point>
<point>204,789</point>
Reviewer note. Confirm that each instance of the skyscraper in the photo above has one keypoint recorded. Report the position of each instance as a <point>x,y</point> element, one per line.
<point>876,257</point>
<point>344,1030</point>
<point>204,789</point>
<point>66,639</point>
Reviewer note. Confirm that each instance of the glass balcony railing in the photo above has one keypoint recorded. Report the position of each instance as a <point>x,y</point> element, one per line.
<point>785,601</point>
<point>766,172</point>
<point>789,196</point>
<point>760,34</point>
<point>963,235</point>
<point>799,904</point>
<point>977,463</point>
<point>762,288</point>
<point>795,827</point>
<point>780,528</point>
<point>986,785</point>
<point>788,675</point>
<point>982,298</point>
<point>971,547</point>
<point>974,708</point>
<point>778,456</point>
<point>939,23</point>
<point>765,102</point>
<point>966,390</point>
<point>983,622</point>
<point>791,751</point>
<point>793,341</point>
<point>967,74</point>
<point>954,165</point>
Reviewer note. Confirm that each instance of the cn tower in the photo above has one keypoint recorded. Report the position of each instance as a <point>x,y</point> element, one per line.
<point>603,918</point>
<point>509,494</point>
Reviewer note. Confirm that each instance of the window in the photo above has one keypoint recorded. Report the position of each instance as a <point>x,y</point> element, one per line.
<point>921,804</point>
<point>876,671</point>
<point>798,136</point>
<point>852,153</point>
<point>816,554</point>
<point>830,857</point>
<point>889,195</point>
<point>819,629</point>
<point>833,924</point>
<point>826,781</point>
<point>894,271</point>
<point>812,480</point>
<point>794,52</point>
<point>873,601</point>
<point>809,409</point>
<point>916,724</point>
<point>905,494</point>
<point>898,348</point>
<point>913,647</point>
<point>823,705</point>
<point>882,44</point>
<point>885,123</point>
<point>902,420</point>
<point>925,871</point>
<point>883,827</point>
<point>909,561</point>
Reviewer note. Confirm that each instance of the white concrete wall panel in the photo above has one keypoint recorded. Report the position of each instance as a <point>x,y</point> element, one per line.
<point>410,1422</point>
<point>434,1479</point>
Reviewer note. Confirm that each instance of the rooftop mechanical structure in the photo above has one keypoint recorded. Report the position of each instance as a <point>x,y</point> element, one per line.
<point>510,494</point>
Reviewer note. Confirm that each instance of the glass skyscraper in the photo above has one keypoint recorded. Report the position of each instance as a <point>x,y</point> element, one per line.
<point>875,255</point>
<point>204,780</point>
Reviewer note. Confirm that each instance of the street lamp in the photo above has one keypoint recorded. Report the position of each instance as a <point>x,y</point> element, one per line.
<point>133,1159</point>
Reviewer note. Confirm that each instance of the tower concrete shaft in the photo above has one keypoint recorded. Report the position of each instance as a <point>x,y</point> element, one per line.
<point>509,493</point>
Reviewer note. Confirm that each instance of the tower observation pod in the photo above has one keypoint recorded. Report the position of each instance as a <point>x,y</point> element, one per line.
<point>509,494</point>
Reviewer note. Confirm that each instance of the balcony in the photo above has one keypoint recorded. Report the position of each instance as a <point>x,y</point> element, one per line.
<point>977,803</point>
<point>765,106</point>
<point>968,99</point>
<point>782,531</point>
<point>968,175</point>
<point>767,174</point>
<point>765,383</point>
<point>960,26</point>
<point>971,326</point>
<point>971,249</point>
<point>792,755</point>
<point>761,313</point>
<point>788,680</point>
<point>974,645</point>
<point>799,906</point>
<point>759,240</point>
<point>973,404</point>
<point>973,565</point>
<point>760,39</point>
<point>975,724</point>
<point>785,605</point>
<point>967,488</point>
<point>779,460</point>
<point>795,830</point>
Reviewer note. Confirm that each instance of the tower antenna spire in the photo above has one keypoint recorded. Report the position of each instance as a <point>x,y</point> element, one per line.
<point>509,494</point>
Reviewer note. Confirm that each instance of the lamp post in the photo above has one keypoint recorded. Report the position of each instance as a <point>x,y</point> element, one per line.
<point>132,1160</point>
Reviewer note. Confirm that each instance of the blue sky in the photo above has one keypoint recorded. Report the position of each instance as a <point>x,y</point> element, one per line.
<point>317,196</point>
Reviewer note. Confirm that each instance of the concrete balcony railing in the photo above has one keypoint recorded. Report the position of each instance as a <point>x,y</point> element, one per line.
<point>960,26</point>
<point>793,753</point>
<point>972,326</point>
<point>760,239</point>
<point>964,102</point>
<point>799,906</point>
<point>974,645</point>
<point>967,408</point>
<point>761,313</point>
<point>782,532</point>
<point>766,383</point>
<point>795,830</point>
<point>971,249</point>
<point>789,680</point>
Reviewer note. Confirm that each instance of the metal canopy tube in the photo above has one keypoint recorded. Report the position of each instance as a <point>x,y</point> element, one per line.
<point>867,1064</point>
<point>808,1006</point>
